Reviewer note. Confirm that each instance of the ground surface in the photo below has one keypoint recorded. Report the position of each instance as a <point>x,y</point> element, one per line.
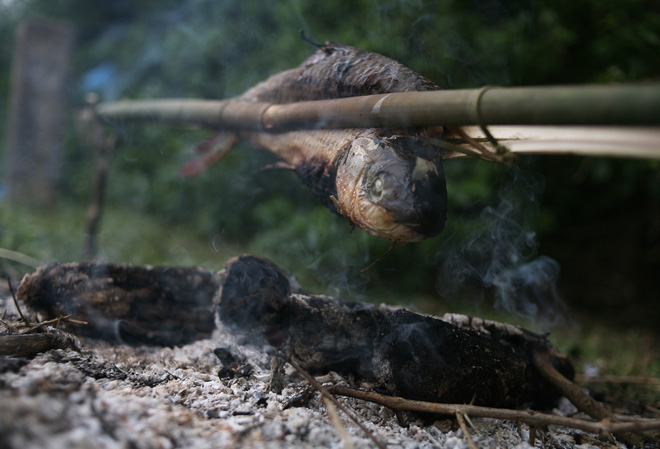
<point>114,396</point>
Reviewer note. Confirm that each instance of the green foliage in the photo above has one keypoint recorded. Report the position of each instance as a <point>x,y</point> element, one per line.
<point>125,237</point>
<point>217,49</point>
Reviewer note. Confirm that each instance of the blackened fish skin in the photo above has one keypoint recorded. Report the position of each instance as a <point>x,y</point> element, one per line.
<point>387,182</point>
<point>339,71</point>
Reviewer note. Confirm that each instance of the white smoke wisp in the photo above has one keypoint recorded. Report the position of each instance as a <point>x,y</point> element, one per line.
<point>499,260</point>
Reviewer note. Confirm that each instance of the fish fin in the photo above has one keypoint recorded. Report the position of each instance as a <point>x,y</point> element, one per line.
<point>340,211</point>
<point>277,166</point>
<point>211,150</point>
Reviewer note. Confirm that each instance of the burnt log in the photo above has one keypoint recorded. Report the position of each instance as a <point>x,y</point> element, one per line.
<point>124,303</point>
<point>456,359</point>
<point>408,354</point>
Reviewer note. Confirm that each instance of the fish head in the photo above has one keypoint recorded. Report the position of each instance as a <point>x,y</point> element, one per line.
<point>393,187</point>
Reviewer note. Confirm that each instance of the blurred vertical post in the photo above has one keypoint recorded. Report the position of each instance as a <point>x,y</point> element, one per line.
<point>37,112</point>
<point>97,137</point>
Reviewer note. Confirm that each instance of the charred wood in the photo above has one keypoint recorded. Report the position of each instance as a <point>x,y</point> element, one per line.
<point>29,345</point>
<point>408,354</point>
<point>456,359</point>
<point>124,303</point>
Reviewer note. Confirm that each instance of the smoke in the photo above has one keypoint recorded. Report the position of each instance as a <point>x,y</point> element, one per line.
<point>499,259</point>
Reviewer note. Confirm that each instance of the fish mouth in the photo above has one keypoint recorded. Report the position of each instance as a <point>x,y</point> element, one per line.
<point>392,187</point>
<point>412,190</point>
<point>428,213</point>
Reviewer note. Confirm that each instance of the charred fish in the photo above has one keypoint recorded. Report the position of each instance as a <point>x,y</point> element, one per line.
<point>387,182</point>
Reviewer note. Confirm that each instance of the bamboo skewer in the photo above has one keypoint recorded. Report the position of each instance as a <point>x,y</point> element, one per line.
<point>554,119</point>
<point>613,141</point>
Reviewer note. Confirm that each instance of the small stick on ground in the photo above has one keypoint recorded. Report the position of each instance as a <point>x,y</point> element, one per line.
<point>13,295</point>
<point>542,360</point>
<point>460,417</point>
<point>532,435</point>
<point>29,345</point>
<point>529,417</point>
<point>579,398</point>
<point>66,318</point>
<point>327,395</point>
<point>334,419</point>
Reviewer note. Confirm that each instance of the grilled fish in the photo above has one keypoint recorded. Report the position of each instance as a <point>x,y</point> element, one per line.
<point>388,182</point>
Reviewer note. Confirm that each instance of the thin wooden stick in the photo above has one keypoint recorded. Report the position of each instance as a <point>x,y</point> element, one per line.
<point>531,418</point>
<point>13,295</point>
<point>460,417</point>
<point>334,419</point>
<point>543,362</point>
<point>542,359</point>
<point>57,321</point>
<point>326,395</point>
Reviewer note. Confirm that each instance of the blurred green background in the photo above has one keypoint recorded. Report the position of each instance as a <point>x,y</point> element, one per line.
<point>598,218</point>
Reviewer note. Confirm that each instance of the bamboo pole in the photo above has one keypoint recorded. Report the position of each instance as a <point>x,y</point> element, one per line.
<point>583,112</point>
<point>555,105</point>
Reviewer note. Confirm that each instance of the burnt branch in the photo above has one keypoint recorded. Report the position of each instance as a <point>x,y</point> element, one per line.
<point>329,398</point>
<point>29,345</point>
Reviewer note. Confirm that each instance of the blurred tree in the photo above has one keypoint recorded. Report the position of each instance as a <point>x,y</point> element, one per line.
<point>213,49</point>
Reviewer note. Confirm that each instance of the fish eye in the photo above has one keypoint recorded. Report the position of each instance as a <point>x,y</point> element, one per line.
<point>376,189</point>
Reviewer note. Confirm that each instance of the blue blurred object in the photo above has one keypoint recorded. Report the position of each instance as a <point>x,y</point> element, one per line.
<point>101,79</point>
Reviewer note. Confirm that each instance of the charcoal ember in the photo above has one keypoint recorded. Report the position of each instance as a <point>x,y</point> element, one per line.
<point>408,354</point>
<point>233,366</point>
<point>125,303</point>
<point>300,399</point>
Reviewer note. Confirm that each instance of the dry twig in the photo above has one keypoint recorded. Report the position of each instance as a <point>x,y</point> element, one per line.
<point>334,419</point>
<point>580,398</point>
<point>13,295</point>
<point>529,417</point>
<point>62,318</point>
<point>326,395</point>
<point>461,418</point>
